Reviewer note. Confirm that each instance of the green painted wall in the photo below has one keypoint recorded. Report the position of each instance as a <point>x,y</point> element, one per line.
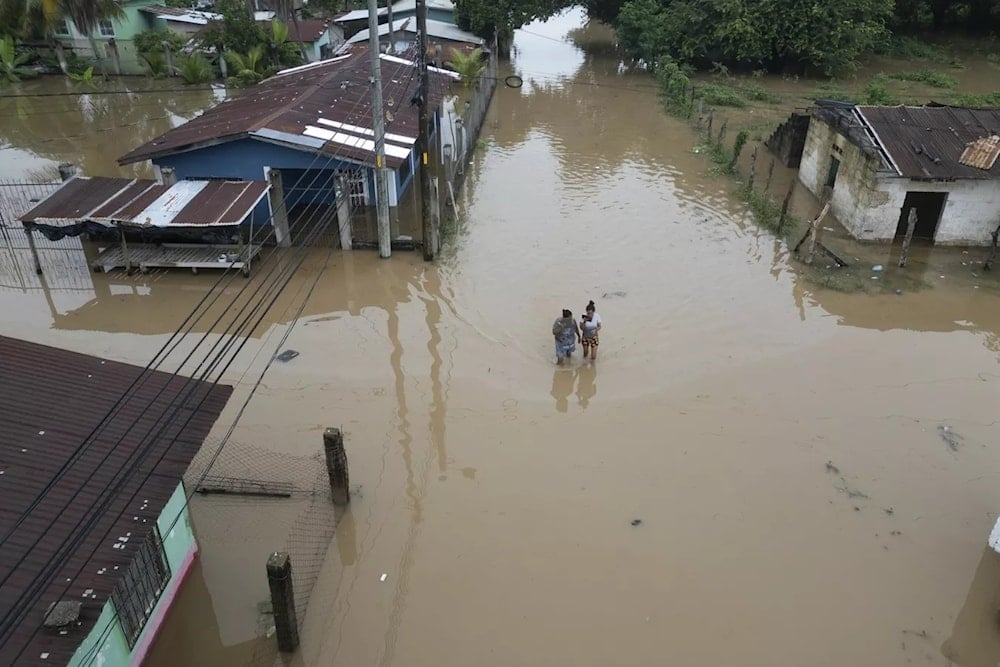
<point>111,646</point>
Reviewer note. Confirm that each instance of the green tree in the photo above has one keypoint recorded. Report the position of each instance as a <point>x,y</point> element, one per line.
<point>501,17</point>
<point>469,67</point>
<point>87,14</point>
<point>236,31</point>
<point>784,35</point>
<point>279,51</point>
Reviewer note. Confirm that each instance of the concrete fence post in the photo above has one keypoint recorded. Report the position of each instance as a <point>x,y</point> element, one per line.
<point>66,171</point>
<point>279,580</point>
<point>336,465</point>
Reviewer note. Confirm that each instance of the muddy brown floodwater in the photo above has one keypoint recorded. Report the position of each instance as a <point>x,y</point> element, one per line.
<point>780,445</point>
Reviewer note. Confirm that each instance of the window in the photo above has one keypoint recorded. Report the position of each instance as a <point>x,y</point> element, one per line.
<point>137,592</point>
<point>61,27</point>
<point>107,28</point>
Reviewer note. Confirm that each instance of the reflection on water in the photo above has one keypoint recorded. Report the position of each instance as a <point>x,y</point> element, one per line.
<point>727,387</point>
<point>51,120</point>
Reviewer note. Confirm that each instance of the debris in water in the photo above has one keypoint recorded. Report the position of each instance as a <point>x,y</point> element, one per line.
<point>383,577</point>
<point>877,267</point>
<point>922,633</point>
<point>612,295</point>
<point>889,511</point>
<point>832,468</point>
<point>949,436</point>
<point>899,291</point>
<point>287,355</point>
<point>636,522</point>
<point>896,532</point>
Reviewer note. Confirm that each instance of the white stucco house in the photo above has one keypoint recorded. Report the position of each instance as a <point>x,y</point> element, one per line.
<point>876,163</point>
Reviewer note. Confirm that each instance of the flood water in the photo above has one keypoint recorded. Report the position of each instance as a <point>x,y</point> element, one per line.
<point>753,472</point>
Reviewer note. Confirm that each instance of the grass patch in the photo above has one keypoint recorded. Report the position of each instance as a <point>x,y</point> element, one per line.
<point>831,90</point>
<point>721,96</point>
<point>759,93</point>
<point>911,48</point>
<point>993,59</point>
<point>928,77</point>
<point>877,92</point>
<point>978,100</point>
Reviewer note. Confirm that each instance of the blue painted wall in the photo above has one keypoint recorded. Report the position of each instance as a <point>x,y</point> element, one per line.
<point>442,15</point>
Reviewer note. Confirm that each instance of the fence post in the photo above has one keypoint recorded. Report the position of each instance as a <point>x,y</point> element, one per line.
<point>336,465</point>
<point>34,249</point>
<point>753,167</point>
<point>708,127</point>
<point>988,266</point>
<point>279,212</point>
<point>722,132</point>
<point>770,172</point>
<point>784,205</point>
<point>279,580</point>
<point>911,223</point>
<point>66,171</point>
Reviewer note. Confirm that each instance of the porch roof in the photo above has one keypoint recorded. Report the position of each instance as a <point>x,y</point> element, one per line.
<point>147,203</point>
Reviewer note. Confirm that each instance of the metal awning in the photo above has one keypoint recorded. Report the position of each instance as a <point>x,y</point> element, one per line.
<point>147,203</point>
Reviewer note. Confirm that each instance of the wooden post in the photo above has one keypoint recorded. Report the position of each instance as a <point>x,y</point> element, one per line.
<point>753,167</point>
<point>701,108</point>
<point>784,205</point>
<point>708,127</point>
<point>911,223</point>
<point>279,580</point>
<point>34,249</point>
<point>436,216</point>
<point>993,250</point>
<point>336,465</point>
<point>722,132</point>
<point>770,173</point>
<point>344,212</point>
<point>279,213</point>
<point>812,232</point>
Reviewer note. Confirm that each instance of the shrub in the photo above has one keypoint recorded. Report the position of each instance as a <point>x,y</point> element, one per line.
<point>926,76</point>
<point>194,69</point>
<point>721,96</point>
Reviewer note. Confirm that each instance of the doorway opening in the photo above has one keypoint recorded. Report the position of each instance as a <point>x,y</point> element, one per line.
<point>929,207</point>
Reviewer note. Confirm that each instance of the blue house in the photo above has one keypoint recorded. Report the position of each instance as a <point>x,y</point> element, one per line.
<point>312,125</point>
<point>437,10</point>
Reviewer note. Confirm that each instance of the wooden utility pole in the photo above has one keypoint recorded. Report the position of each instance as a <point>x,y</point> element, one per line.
<point>423,99</point>
<point>388,14</point>
<point>911,223</point>
<point>378,126</point>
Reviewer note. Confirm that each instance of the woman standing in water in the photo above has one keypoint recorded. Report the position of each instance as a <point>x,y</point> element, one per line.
<point>566,333</point>
<point>591,326</point>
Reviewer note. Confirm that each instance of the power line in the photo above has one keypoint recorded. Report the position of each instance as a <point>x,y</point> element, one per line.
<point>316,233</point>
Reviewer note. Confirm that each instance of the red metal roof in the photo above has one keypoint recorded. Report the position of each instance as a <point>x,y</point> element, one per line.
<point>307,31</point>
<point>147,203</point>
<point>53,399</point>
<point>280,109</point>
<point>927,143</point>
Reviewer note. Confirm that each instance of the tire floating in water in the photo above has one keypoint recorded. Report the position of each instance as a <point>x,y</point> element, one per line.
<point>513,81</point>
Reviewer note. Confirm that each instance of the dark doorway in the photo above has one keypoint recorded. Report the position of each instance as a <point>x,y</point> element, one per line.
<point>929,206</point>
<point>831,175</point>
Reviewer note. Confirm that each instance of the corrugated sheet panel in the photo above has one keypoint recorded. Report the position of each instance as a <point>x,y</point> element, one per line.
<point>222,203</point>
<point>928,142</point>
<point>981,153</point>
<point>53,399</point>
<point>77,198</point>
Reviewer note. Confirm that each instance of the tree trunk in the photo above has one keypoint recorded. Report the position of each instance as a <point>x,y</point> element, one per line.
<point>97,55</point>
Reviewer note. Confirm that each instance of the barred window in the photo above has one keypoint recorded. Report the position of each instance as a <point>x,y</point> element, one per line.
<point>106,27</point>
<point>140,587</point>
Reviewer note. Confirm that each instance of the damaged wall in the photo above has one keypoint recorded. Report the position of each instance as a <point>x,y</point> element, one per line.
<point>868,201</point>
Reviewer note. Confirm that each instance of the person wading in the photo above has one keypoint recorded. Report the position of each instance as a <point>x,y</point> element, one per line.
<point>567,334</point>
<point>590,324</point>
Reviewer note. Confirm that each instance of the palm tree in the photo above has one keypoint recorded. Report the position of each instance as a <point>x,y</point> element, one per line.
<point>87,15</point>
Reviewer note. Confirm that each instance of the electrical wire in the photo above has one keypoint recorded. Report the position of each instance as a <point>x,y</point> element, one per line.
<point>317,231</point>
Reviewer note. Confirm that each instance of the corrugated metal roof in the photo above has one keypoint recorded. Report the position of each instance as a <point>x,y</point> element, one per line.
<point>981,153</point>
<point>53,399</point>
<point>148,204</point>
<point>435,29</point>
<point>181,15</point>
<point>337,89</point>
<point>307,31</point>
<point>358,15</point>
<point>927,143</point>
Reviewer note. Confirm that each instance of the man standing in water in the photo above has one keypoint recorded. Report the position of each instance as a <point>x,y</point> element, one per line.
<point>567,335</point>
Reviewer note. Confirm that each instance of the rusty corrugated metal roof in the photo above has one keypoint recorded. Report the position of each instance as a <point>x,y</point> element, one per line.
<point>981,153</point>
<point>307,31</point>
<point>53,399</point>
<point>280,109</point>
<point>147,203</point>
<point>927,143</point>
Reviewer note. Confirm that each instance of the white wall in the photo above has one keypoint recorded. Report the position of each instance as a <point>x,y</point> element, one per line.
<point>868,202</point>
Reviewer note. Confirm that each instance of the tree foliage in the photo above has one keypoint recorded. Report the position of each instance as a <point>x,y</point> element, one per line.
<point>235,31</point>
<point>469,67</point>
<point>501,17</point>
<point>774,34</point>
<point>12,64</point>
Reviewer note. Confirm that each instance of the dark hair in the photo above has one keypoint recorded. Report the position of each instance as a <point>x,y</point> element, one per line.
<point>567,313</point>
<point>591,306</point>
